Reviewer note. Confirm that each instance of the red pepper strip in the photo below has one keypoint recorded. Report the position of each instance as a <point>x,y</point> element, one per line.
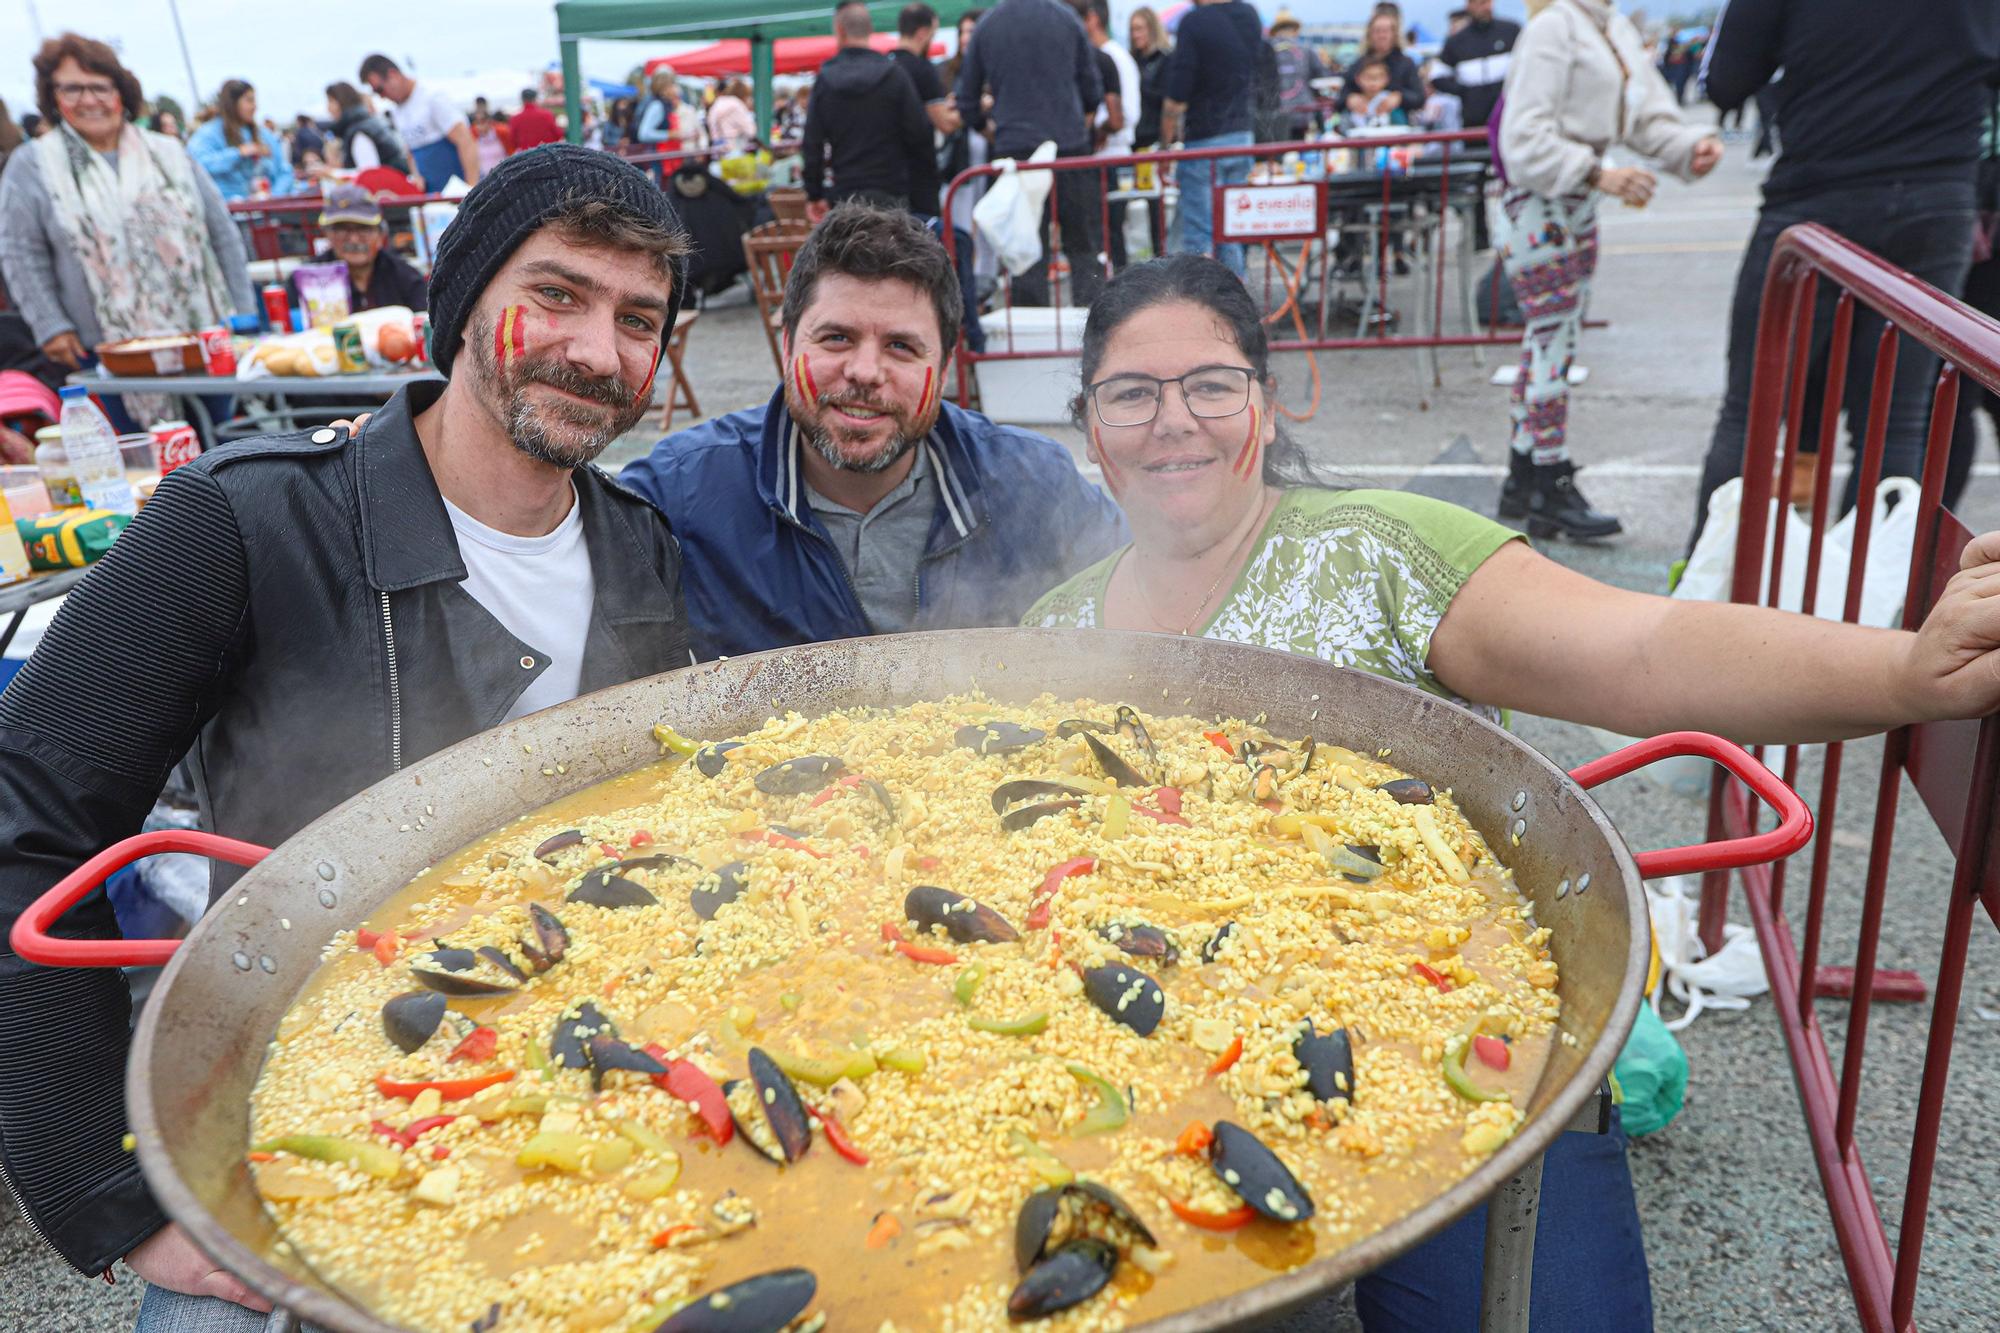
<point>849,781</point>
<point>1274,805</point>
<point>451,1089</point>
<point>780,840</point>
<point>365,938</point>
<point>610,851</point>
<point>1168,799</point>
<point>1159,818</point>
<point>1194,1140</point>
<point>1038,912</point>
<point>928,863</point>
<point>916,953</point>
<point>691,1084</point>
<point>837,1139</point>
<point>1221,742</point>
<point>385,947</point>
<point>439,1153</point>
<point>479,1044</point>
<point>263,1157</point>
<point>1492,1051</point>
<point>1432,975</point>
<point>399,1137</point>
<point>642,839</point>
<point>1228,1221</point>
<point>416,1129</point>
<point>665,1238</point>
<point>1228,1057</point>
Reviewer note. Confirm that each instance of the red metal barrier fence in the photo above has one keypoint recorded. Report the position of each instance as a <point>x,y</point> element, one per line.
<point>1382,201</point>
<point>1954,767</point>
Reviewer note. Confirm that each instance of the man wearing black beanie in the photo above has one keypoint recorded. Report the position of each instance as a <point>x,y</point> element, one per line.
<point>303,614</point>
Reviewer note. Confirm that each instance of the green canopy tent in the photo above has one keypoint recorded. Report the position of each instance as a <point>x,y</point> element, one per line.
<point>762,21</point>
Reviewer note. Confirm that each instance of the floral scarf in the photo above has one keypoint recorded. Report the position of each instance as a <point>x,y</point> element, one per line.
<point>140,232</point>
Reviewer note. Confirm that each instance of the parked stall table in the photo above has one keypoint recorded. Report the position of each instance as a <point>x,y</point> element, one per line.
<point>17,598</point>
<point>284,398</point>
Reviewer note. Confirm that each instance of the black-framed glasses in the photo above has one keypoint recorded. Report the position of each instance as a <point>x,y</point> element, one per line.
<point>76,92</point>
<point>1208,391</point>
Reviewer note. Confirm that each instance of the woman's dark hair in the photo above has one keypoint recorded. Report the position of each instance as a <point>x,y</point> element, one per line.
<point>1205,282</point>
<point>345,96</point>
<point>233,126</point>
<point>94,56</point>
<point>864,241</point>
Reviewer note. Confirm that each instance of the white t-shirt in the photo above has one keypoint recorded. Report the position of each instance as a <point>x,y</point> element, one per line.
<point>541,589</point>
<point>426,118</point>
<point>1128,99</point>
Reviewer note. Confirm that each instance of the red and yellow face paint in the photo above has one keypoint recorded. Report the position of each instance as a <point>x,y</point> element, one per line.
<point>1246,457</point>
<point>933,389</point>
<point>803,383</point>
<point>645,393</point>
<point>510,336</point>
<point>1112,479</point>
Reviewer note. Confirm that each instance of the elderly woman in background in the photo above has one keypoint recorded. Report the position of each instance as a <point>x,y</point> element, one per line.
<point>236,151</point>
<point>108,231</point>
<point>1235,537</point>
<point>732,125</point>
<point>1579,83</point>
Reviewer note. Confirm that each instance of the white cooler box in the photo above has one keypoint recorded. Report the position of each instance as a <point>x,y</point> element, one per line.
<point>1037,392</point>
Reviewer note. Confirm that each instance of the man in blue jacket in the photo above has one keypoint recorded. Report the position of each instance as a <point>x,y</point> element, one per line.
<point>857,501</point>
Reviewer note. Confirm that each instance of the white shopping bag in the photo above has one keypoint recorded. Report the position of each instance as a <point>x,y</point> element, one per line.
<point>1009,214</point>
<point>1726,979</point>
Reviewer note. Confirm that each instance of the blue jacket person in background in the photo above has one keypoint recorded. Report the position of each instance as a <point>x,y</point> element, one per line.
<point>856,501</point>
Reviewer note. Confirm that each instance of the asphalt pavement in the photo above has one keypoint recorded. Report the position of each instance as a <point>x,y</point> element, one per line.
<point>1736,1227</point>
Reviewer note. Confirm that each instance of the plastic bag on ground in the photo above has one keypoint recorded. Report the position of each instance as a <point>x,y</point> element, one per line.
<point>1694,979</point>
<point>1652,1074</point>
<point>1009,214</point>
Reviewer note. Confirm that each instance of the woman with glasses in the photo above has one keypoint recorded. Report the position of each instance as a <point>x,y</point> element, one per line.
<point>108,231</point>
<point>1235,537</point>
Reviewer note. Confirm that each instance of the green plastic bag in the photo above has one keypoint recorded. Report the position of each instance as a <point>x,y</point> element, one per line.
<point>1652,1074</point>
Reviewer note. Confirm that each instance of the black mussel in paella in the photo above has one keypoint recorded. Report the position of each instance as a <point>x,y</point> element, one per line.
<point>958,916</point>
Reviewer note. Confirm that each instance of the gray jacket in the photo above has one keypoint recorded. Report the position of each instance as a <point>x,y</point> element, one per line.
<point>44,277</point>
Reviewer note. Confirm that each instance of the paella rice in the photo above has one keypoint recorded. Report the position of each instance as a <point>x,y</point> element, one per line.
<point>1052,1011</point>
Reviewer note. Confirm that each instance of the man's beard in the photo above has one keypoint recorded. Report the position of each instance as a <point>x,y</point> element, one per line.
<point>564,433</point>
<point>824,437</point>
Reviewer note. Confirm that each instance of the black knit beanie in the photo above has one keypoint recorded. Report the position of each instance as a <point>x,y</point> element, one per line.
<point>507,206</point>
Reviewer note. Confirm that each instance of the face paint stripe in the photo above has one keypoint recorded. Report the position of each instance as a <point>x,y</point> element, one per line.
<point>924,399</point>
<point>645,394</point>
<point>811,394</point>
<point>520,344</point>
<point>500,337</point>
<point>1241,467</point>
<point>1104,460</point>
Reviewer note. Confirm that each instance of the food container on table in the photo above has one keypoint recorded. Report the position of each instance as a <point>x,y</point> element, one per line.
<point>22,487</point>
<point>142,468</point>
<point>52,462</point>
<point>176,354</point>
<point>201,1038</point>
<point>14,564</point>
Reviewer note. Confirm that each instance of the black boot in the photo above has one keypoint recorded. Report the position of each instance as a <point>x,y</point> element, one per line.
<point>1545,494</point>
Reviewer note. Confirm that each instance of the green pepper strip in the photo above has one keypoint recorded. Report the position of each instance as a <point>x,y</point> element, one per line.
<point>1048,1167</point>
<point>674,741</point>
<point>967,984</point>
<point>1027,1025</point>
<point>903,1060</point>
<point>374,1159</point>
<point>1453,1067</point>
<point>1110,1112</point>
<point>825,1071</point>
<point>538,1061</point>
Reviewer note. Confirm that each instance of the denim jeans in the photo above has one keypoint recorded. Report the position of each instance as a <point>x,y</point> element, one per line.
<point>164,1311</point>
<point>1922,226</point>
<point>1195,233</point>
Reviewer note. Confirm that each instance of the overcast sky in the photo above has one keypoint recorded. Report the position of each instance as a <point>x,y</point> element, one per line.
<point>292,51</point>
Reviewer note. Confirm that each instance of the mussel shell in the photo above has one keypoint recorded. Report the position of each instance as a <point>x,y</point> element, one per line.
<point>603,887</point>
<point>881,793</point>
<point>488,1322</point>
<point>1244,1164</point>
<point>1034,1225</point>
<point>551,939</point>
<point>559,841</point>
<point>784,1113</point>
<point>447,981</point>
<point>446,958</point>
<point>569,1045</point>
<point>762,1304</point>
<point>1328,1059</point>
<point>710,759</point>
<point>1307,749</point>
<point>409,1019</point>
<point>1071,1275</point>
<point>1114,768</point>
<point>799,777</point>
<point>1076,725</point>
<point>1127,996</point>
<point>1116,1208</point>
<point>1224,933</point>
<point>1016,790</point>
<point>1133,728</point>
<point>964,919</point>
<point>722,886</point>
<point>1143,941</point>
<point>1354,872</point>
<point>608,1052</point>
<point>501,961</point>
<point>1409,791</point>
<point>1263,783</point>
<point>996,737</point>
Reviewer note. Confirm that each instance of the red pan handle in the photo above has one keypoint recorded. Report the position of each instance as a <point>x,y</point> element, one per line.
<point>1795,822</point>
<point>30,937</point>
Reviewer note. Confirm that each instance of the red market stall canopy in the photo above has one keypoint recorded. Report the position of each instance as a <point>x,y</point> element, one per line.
<point>793,55</point>
<point>757,23</point>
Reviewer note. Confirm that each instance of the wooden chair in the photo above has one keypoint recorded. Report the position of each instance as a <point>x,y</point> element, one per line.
<point>788,203</point>
<point>680,390</point>
<point>768,248</point>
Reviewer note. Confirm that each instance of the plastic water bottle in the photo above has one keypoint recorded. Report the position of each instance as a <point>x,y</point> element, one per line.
<point>92,447</point>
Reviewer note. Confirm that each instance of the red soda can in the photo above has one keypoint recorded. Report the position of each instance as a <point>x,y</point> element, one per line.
<point>217,351</point>
<point>278,308</point>
<point>174,443</point>
<point>420,324</point>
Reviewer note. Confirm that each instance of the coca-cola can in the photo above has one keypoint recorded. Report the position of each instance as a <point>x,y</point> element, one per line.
<point>420,325</point>
<point>278,308</point>
<point>174,443</point>
<point>217,351</point>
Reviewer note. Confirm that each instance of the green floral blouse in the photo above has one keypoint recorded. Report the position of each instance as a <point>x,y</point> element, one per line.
<point>1356,578</point>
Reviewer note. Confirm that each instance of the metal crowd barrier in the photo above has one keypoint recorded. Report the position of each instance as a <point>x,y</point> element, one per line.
<point>1954,767</point>
<point>287,226</point>
<point>1341,213</point>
